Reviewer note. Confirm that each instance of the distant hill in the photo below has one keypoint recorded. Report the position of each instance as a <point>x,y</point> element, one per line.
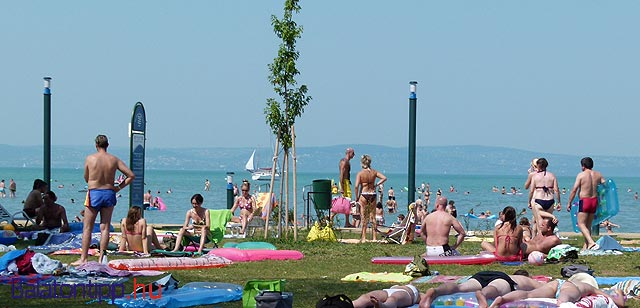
<point>477,160</point>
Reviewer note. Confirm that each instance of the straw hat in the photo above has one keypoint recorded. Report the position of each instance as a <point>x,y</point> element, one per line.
<point>584,278</point>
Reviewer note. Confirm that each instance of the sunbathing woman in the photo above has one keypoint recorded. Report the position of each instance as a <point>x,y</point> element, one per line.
<point>396,296</point>
<point>366,194</point>
<point>246,203</point>
<point>565,291</point>
<point>136,235</point>
<point>196,222</point>
<point>507,238</point>
<point>544,186</point>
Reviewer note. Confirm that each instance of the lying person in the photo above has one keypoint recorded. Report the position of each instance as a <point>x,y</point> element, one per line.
<point>136,235</point>
<point>396,296</point>
<point>486,284</point>
<point>565,291</point>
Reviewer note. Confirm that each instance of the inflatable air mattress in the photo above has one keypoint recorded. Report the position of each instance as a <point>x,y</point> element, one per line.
<point>461,260</point>
<point>245,255</point>
<point>165,264</point>
<point>191,294</point>
<point>607,205</point>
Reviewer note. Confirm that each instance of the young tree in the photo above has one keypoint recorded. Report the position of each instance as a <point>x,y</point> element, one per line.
<point>281,112</point>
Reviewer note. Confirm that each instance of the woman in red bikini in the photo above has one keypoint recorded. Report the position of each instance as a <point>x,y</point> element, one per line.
<point>136,234</point>
<point>507,237</point>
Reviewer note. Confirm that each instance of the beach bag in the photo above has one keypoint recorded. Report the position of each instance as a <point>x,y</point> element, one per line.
<point>274,299</point>
<point>318,233</point>
<point>169,240</point>
<point>570,270</point>
<point>336,301</point>
<point>254,287</point>
<point>417,268</point>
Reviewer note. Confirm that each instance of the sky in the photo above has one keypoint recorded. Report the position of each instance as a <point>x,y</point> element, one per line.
<point>545,76</point>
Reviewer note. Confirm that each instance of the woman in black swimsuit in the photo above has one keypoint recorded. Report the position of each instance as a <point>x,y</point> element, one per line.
<point>366,194</point>
<point>544,186</point>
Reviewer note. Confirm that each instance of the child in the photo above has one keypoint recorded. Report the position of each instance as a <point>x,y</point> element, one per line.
<point>379,214</point>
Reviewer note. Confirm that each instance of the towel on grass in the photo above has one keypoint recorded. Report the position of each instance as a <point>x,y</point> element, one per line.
<point>440,279</point>
<point>95,268</point>
<point>378,277</point>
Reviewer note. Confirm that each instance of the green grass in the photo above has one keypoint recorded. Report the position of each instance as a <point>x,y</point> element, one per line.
<point>324,264</point>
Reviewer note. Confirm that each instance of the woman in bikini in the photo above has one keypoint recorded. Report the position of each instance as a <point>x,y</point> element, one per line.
<point>136,234</point>
<point>196,222</point>
<point>507,237</point>
<point>544,186</point>
<point>366,194</point>
<point>246,203</point>
<point>396,296</point>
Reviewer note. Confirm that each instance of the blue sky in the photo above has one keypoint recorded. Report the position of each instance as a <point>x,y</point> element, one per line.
<point>547,76</point>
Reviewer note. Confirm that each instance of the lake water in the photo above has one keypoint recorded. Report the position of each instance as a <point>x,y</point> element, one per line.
<point>184,184</point>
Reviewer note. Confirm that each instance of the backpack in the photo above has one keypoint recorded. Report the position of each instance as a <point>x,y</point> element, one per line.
<point>417,268</point>
<point>337,301</point>
<point>570,270</point>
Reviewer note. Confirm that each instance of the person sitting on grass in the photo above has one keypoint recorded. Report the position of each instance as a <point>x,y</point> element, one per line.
<point>52,215</point>
<point>526,229</point>
<point>507,237</point>
<point>196,222</point>
<point>396,296</point>
<point>136,234</point>
<point>486,284</point>
<point>565,291</point>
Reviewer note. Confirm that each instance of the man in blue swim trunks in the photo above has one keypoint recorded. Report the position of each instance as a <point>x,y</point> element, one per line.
<point>99,173</point>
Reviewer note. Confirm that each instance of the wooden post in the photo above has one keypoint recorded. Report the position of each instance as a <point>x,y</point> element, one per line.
<point>295,189</point>
<point>273,177</point>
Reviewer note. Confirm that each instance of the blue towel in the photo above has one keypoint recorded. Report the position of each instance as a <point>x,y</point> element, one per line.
<point>613,280</point>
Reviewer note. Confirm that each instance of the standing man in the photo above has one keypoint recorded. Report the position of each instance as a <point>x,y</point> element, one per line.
<point>435,230</point>
<point>146,200</point>
<point>587,182</point>
<point>12,189</point>
<point>345,179</point>
<point>99,173</point>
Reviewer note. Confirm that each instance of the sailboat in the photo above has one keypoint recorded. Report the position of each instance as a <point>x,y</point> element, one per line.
<point>259,174</point>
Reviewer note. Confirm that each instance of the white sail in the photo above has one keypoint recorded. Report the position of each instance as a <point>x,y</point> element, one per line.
<point>250,166</point>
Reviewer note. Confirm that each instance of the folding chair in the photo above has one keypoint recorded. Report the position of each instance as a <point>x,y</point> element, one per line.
<point>399,234</point>
<point>217,226</point>
<point>11,218</point>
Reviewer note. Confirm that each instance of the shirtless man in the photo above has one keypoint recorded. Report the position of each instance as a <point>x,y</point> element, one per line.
<point>486,284</point>
<point>34,199</point>
<point>99,173</point>
<point>435,230</point>
<point>587,182</point>
<point>146,200</point>
<point>544,240</point>
<point>366,194</point>
<point>345,182</point>
<point>52,215</point>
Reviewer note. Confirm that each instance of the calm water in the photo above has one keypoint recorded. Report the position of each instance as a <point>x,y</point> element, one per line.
<point>184,184</point>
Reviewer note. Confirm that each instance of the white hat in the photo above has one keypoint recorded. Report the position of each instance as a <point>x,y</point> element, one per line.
<point>584,278</point>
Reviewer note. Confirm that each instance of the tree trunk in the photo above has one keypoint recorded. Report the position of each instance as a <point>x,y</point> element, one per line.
<point>295,189</point>
<point>273,177</point>
<point>286,196</point>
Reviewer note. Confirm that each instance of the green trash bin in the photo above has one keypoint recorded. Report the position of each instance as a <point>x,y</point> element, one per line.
<point>321,194</point>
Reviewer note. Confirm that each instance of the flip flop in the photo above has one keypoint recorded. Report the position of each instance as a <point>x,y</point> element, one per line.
<point>594,247</point>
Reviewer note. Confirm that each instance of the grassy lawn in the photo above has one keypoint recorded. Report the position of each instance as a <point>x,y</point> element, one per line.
<point>324,264</point>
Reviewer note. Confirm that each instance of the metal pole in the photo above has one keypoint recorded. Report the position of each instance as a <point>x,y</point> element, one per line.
<point>47,130</point>
<point>230,190</point>
<point>412,142</point>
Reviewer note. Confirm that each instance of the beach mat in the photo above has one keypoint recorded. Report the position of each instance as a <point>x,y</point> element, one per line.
<point>613,280</point>
<point>440,279</point>
<point>378,277</point>
<point>460,260</point>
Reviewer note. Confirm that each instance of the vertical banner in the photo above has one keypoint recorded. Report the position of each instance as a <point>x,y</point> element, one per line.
<point>137,130</point>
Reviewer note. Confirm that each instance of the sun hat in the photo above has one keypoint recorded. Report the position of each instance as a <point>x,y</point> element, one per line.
<point>584,278</point>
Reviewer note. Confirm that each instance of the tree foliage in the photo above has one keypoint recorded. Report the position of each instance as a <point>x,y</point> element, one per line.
<point>282,112</point>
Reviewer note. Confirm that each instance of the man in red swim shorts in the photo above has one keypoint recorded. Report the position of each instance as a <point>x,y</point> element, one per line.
<point>587,182</point>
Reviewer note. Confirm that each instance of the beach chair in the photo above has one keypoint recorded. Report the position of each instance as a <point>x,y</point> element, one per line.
<point>6,216</point>
<point>399,234</point>
<point>217,226</point>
